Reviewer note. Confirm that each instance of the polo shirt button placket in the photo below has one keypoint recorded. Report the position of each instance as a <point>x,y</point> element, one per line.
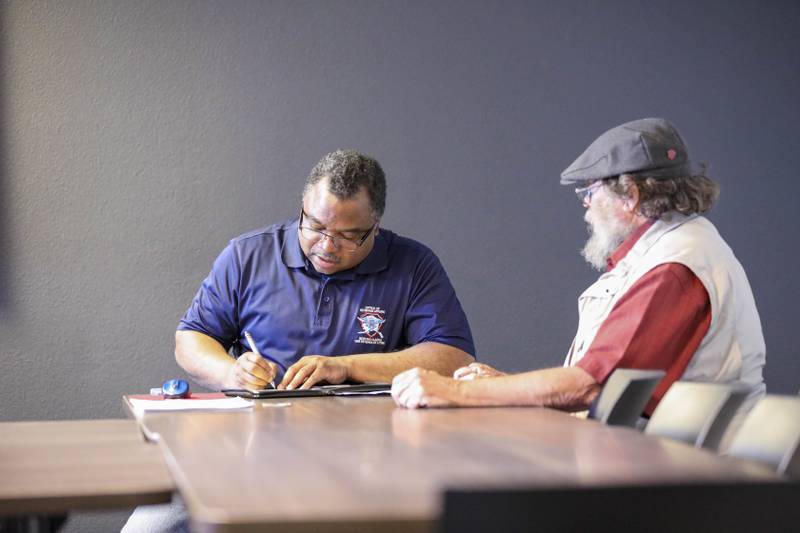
<point>323,317</point>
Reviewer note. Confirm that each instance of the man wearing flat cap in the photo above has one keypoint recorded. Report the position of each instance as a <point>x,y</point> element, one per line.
<point>672,297</point>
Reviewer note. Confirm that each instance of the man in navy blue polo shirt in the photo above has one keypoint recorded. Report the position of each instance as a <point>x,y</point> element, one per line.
<point>326,297</point>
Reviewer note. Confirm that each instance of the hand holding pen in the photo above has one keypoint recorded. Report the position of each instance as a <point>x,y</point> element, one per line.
<point>251,370</point>
<point>255,351</point>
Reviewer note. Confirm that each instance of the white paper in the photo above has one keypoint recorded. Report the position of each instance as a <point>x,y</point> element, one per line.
<point>140,406</point>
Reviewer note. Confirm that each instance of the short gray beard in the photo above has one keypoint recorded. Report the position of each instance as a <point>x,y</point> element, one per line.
<point>605,237</point>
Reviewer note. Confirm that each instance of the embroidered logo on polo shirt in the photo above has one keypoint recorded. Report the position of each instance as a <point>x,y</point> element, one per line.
<point>371,320</point>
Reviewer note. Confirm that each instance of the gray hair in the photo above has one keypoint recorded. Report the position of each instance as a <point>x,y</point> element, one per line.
<point>686,195</point>
<point>348,171</point>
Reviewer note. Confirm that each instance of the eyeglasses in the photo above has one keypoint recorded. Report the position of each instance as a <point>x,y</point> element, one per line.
<point>348,245</point>
<point>585,193</point>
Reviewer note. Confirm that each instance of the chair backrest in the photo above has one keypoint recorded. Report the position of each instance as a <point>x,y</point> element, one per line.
<point>625,396</point>
<point>732,507</point>
<point>697,413</point>
<point>771,434</point>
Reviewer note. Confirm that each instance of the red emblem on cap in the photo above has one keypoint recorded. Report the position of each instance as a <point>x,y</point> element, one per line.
<point>671,154</point>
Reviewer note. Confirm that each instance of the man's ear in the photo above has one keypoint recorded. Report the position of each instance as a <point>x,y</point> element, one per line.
<point>631,203</point>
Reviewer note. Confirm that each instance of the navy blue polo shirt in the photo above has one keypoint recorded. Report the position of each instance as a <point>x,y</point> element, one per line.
<point>398,296</point>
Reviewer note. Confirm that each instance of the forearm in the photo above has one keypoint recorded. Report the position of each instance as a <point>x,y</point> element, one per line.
<point>383,367</point>
<point>571,388</point>
<point>205,359</point>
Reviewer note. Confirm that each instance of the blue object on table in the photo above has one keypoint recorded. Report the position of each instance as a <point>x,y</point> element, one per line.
<point>175,388</point>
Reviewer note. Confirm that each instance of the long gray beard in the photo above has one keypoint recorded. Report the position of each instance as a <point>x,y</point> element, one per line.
<point>604,238</point>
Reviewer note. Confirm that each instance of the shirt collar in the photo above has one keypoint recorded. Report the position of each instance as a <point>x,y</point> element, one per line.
<point>378,258</point>
<point>291,253</point>
<point>623,249</point>
<point>293,256</point>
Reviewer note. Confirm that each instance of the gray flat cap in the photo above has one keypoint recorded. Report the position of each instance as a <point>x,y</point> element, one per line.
<point>649,144</point>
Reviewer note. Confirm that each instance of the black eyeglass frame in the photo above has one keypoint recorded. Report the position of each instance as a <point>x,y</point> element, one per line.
<point>334,239</point>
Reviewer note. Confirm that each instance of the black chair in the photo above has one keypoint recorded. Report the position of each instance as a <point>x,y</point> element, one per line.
<point>32,524</point>
<point>625,396</point>
<point>709,507</point>
<point>771,434</point>
<point>697,413</point>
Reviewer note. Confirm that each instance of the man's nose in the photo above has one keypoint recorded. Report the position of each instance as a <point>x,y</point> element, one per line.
<point>327,243</point>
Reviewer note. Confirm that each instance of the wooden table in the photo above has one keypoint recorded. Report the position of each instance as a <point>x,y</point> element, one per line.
<point>361,464</point>
<point>55,467</point>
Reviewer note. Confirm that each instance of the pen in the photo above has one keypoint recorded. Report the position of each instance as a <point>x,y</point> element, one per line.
<point>255,350</point>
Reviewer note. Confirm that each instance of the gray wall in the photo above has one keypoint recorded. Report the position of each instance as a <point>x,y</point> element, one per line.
<point>138,137</point>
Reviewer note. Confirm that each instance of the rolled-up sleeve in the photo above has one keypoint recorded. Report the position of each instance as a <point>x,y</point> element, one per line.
<point>657,324</point>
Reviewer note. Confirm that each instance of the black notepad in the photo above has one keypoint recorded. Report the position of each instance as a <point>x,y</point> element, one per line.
<point>321,390</point>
